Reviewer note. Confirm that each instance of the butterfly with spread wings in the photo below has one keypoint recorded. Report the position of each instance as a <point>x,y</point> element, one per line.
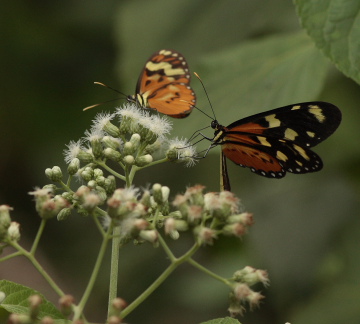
<point>163,85</point>
<point>277,141</point>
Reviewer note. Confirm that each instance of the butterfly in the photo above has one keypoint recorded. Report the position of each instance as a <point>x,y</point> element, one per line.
<point>163,85</point>
<point>277,141</point>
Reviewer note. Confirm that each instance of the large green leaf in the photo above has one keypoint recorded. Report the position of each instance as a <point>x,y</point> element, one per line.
<point>226,320</point>
<point>334,25</point>
<point>16,301</point>
<point>259,75</point>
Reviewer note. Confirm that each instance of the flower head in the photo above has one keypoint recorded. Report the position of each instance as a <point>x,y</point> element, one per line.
<point>100,121</point>
<point>73,150</point>
<point>180,150</point>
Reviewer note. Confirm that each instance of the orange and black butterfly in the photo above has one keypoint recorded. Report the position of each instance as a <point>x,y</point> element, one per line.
<point>277,141</point>
<point>164,85</point>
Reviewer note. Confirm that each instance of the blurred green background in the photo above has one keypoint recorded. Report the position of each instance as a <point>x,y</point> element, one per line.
<point>252,56</point>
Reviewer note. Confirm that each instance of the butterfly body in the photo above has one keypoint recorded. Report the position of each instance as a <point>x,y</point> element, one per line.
<point>278,141</point>
<point>163,85</point>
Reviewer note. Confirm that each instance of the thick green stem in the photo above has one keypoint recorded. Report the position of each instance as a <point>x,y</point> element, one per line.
<point>114,267</point>
<point>38,267</point>
<point>80,307</point>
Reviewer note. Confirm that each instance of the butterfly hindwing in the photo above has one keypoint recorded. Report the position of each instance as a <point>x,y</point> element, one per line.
<point>163,85</point>
<point>277,141</point>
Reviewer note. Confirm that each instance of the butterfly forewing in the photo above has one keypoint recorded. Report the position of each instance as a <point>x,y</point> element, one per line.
<point>163,85</point>
<point>305,124</point>
<point>278,140</point>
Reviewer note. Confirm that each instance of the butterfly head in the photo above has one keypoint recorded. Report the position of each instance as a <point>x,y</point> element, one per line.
<point>215,125</point>
<point>139,100</point>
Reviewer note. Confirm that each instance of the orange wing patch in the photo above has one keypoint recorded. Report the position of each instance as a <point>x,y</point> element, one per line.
<point>163,85</point>
<point>175,100</point>
<point>258,161</point>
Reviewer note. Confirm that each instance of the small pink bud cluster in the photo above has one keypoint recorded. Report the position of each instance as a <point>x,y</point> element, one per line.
<point>209,215</point>
<point>48,205</point>
<point>135,212</point>
<point>242,294</point>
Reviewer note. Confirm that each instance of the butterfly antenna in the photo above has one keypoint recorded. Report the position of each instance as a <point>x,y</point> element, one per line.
<point>101,103</point>
<point>196,108</point>
<point>206,95</point>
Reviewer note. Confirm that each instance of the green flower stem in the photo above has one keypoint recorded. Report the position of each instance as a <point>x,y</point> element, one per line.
<point>168,252</point>
<point>38,236</point>
<point>208,272</point>
<point>107,168</point>
<point>10,256</point>
<point>154,163</point>
<point>78,310</point>
<point>68,182</point>
<point>38,267</point>
<point>98,224</point>
<point>136,168</point>
<point>66,187</point>
<point>174,264</point>
<point>114,266</point>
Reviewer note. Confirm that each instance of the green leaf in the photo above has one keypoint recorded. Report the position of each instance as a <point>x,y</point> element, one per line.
<point>260,75</point>
<point>225,320</point>
<point>16,301</point>
<point>334,25</point>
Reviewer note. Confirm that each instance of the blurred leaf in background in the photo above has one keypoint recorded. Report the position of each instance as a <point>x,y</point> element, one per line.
<point>253,56</point>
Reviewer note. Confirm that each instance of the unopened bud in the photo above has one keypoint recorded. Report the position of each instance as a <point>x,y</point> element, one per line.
<point>63,214</point>
<point>135,141</point>
<point>86,175</point>
<point>48,173</point>
<point>244,218</point>
<point>35,302</point>
<point>110,184</point>
<point>111,142</point>
<point>143,160</point>
<point>91,184</point>
<point>5,220</point>
<point>101,192</point>
<point>129,148</point>
<point>100,180</point>
<point>172,154</point>
<point>74,166</point>
<point>236,229</point>
<point>153,147</point>
<point>165,193</point>
<point>96,147</point>
<point>91,201</point>
<point>57,174</point>
<point>128,160</point>
<point>111,129</point>
<point>112,154</point>
<point>67,195</point>
<point>65,303</point>
<point>206,235</point>
<point>149,235</point>
<point>85,157</point>
<point>14,231</point>
<point>98,173</point>
<point>119,304</point>
<point>157,193</point>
